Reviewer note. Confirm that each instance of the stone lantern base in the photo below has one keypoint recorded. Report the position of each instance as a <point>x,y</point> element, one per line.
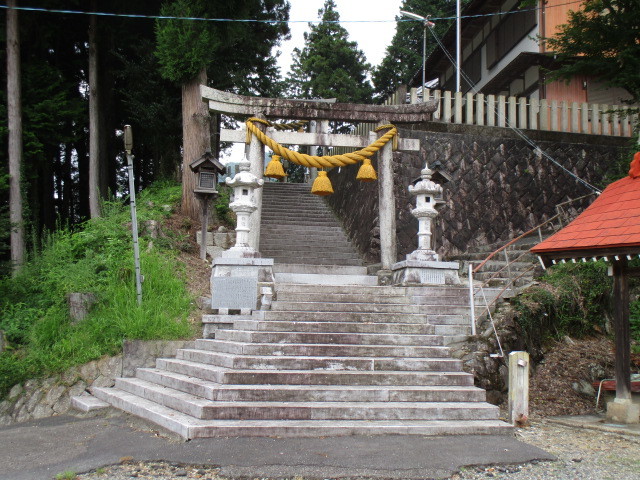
<point>425,272</point>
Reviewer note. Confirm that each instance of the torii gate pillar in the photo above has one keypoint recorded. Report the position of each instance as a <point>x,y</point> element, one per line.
<point>386,211</point>
<point>256,157</point>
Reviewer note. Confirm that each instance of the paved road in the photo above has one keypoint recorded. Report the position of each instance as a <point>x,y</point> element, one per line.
<point>38,450</point>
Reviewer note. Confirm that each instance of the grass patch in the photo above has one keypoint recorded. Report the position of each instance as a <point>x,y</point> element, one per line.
<point>97,259</point>
<point>571,299</point>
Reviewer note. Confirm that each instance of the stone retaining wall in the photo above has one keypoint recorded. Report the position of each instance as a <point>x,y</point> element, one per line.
<point>500,187</point>
<point>44,397</point>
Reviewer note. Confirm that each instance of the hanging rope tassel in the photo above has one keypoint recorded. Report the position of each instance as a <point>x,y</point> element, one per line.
<point>366,172</point>
<point>274,168</point>
<point>322,184</point>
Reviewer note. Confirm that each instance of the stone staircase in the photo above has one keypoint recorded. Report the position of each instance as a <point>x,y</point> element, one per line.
<point>298,228</point>
<point>335,355</point>
<point>326,360</point>
<point>497,272</point>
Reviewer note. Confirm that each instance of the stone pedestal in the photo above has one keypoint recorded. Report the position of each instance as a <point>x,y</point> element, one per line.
<point>424,272</point>
<point>623,411</point>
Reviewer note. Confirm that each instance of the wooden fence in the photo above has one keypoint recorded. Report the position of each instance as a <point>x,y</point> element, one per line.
<point>522,113</point>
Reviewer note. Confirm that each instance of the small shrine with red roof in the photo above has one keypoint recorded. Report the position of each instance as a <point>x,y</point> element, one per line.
<point>608,230</point>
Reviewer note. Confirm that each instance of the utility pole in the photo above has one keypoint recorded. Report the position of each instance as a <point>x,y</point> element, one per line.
<point>128,145</point>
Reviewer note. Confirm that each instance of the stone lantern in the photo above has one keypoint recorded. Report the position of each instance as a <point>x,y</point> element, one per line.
<point>244,184</point>
<point>422,266</point>
<point>425,191</point>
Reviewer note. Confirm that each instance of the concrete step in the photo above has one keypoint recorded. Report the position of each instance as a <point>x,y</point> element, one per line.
<point>320,269</point>
<point>313,279</point>
<point>310,393</point>
<point>335,327</point>
<point>323,338</point>
<point>399,308</point>
<point>189,427</point>
<point>373,290</point>
<point>311,230</point>
<point>447,330</point>
<point>286,296</point>
<point>280,247</point>
<point>355,262</point>
<point>327,350</point>
<point>261,362</point>
<point>302,316</point>
<point>311,377</point>
<point>207,410</point>
<point>318,258</point>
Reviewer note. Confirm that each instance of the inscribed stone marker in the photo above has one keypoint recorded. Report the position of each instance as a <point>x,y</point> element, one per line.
<point>234,292</point>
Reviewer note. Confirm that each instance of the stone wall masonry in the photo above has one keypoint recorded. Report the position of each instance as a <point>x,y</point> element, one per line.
<point>45,397</point>
<point>500,187</point>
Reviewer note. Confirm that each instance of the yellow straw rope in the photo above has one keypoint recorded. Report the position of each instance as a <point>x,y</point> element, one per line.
<point>327,160</point>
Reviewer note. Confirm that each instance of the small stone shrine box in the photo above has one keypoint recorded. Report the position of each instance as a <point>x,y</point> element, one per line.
<point>608,230</point>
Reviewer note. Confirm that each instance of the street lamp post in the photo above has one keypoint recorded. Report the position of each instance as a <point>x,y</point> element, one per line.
<point>426,23</point>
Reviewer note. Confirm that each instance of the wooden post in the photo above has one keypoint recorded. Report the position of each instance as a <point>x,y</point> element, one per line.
<point>491,110</point>
<point>522,113</point>
<point>502,112</point>
<point>446,107</point>
<point>204,198</point>
<point>595,119</point>
<point>256,157</point>
<point>511,113</point>
<point>469,108</point>
<point>480,109</point>
<point>457,107</point>
<point>534,109</point>
<point>386,205</point>
<point>519,387</point>
<point>544,115</point>
<point>621,326</point>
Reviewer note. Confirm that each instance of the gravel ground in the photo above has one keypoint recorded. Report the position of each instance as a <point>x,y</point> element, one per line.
<point>582,454</point>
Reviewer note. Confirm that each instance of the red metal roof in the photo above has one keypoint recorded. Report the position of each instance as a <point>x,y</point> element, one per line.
<point>612,221</point>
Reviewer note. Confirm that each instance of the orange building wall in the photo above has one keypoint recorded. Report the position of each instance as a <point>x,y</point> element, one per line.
<point>554,13</point>
<point>573,91</point>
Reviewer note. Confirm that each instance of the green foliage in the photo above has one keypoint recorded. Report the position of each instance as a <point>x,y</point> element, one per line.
<point>329,65</point>
<point>236,55</point>
<point>403,58</point>
<point>601,40</point>
<point>67,475</point>
<point>97,259</point>
<point>223,211</point>
<point>571,299</point>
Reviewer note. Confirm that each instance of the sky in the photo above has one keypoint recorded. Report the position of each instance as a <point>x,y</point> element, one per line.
<point>372,37</point>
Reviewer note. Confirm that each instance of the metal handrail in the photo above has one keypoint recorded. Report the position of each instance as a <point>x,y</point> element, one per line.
<point>472,291</point>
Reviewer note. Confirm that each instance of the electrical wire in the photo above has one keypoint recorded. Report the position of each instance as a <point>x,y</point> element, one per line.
<point>517,131</point>
<point>248,20</point>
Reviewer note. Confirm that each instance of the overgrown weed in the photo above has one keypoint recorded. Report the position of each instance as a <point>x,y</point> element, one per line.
<point>96,259</point>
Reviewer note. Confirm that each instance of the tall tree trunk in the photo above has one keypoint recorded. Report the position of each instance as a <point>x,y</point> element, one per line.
<point>14,112</point>
<point>94,120</point>
<point>195,140</point>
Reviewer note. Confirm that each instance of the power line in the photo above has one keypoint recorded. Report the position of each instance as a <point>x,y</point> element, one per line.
<point>517,131</point>
<point>248,20</point>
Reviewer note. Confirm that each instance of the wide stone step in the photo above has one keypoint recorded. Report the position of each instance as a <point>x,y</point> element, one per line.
<point>373,290</point>
<point>319,269</point>
<point>397,308</point>
<point>311,377</point>
<point>327,350</point>
<point>318,280</point>
<point>315,316</point>
<point>315,230</point>
<point>189,427</point>
<point>317,257</point>
<point>286,296</point>
<point>453,329</point>
<point>335,327</point>
<point>280,247</point>
<point>341,338</point>
<point>461,299</point>
<point>260,362</point>
<point>207,410</point>
<point>310,393</point>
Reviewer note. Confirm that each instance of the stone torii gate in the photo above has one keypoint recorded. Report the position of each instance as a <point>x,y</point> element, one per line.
<point>322,111</point>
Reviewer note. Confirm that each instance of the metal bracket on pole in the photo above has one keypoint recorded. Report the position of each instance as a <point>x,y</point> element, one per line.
<point>128,145</point>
